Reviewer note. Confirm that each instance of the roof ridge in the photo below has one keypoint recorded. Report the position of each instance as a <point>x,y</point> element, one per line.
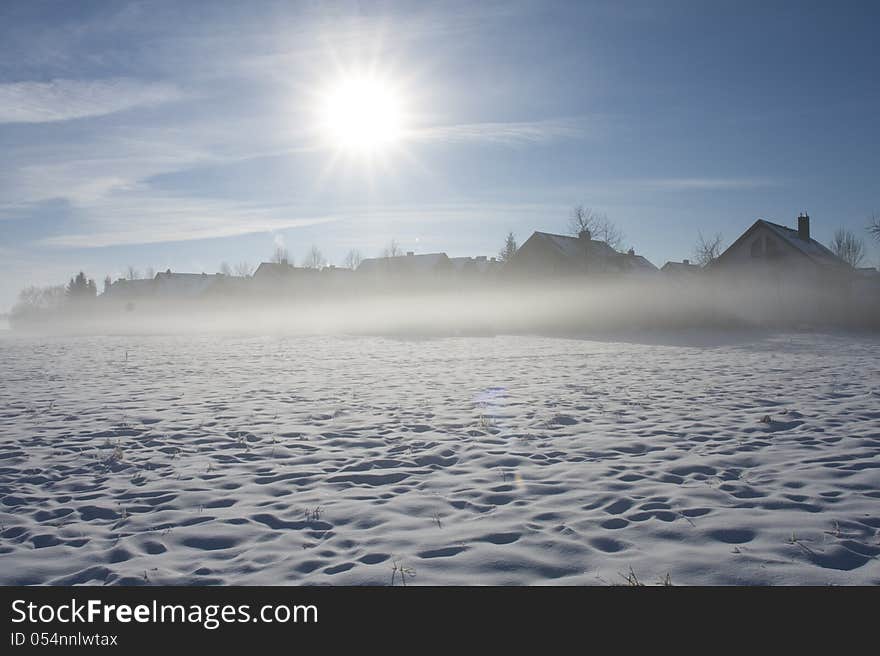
<point>553,234</point>
<point>572,237</point>
<point>778,225</point>
<point>795,240</point>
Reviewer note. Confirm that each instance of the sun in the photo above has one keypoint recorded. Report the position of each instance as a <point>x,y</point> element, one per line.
<point>362,115</point>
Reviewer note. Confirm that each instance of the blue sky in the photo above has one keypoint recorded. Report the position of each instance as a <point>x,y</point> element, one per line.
<point>157,135</point>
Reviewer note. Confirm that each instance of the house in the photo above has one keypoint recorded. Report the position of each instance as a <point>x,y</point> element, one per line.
<point>125,289</point>
<point>333,272</point>
<point>273,271</point>
<point>168,283</point>
<point>866,283</point>
<point>337,280</point>
<point>685,267</point>
<point>428,264</point>
<point>281,278</point>
<point>769,248</point>
<point>277,275</point>
<point>630,263</point>
<point>545,253</point>
<point>470,266</point>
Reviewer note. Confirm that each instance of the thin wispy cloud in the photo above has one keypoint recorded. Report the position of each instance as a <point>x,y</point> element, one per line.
<point>509,133</point>
<point>63,100</point>
<point>704,184</point>
<point>148,220</point>
<point>86,180</point>
<point>106,160</point>
<point>159,220</point>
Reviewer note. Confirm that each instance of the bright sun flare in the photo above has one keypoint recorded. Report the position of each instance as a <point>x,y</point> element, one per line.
<point>362,115</point>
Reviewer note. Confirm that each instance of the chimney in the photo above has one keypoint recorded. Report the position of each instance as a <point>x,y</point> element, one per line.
<point>685,261</point>
<point>585,235</point>
<point>804,226</point>
<point>410,253</point>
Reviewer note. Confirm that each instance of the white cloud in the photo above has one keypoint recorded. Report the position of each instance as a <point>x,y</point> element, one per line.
<point>62,100</point>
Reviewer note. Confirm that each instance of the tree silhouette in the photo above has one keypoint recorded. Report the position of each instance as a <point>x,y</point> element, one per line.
<point>848,247</point>
<point>353,259</point>
<point>33,300</point>
<point>244,269</point>
<point>510,248</point>
<point>314,259</point>
<point>81,288</point>
<point>392,250</point>
<point>281,256</point>
<point>584,219</point>
<point>707,250</point>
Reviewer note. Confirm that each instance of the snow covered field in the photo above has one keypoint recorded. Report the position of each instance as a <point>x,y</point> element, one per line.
<point>745,459</point>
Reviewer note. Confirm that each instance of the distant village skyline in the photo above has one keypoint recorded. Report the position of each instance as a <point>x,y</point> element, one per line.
<point>180,136</point>
<point>765,240</point>
<point>590,252</point>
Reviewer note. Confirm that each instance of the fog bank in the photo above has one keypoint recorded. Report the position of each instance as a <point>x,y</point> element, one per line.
<point>549,307</point>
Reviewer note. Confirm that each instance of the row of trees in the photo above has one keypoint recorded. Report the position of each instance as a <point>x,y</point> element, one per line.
<point>243,269</point>
<point>81,287</point>
<point>36,299</point>
<point>315,259</point>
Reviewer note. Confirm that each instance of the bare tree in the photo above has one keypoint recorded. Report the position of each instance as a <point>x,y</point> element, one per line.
<point>281,256</point>
<point>353,259</point>
<point>708,249</point>
<point>33,299</point>
<point>108,283</point>
<point>582,218</point>
<point>874,226</point>
<point>243,269</point>
<point>609,233</point>
<point>392,249</point>
<point>314,259</point>
<point>848,247</point>
<point>599,226</point>
<point>225,269</point>
<point>510,248</point>
<point>132,273</point>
